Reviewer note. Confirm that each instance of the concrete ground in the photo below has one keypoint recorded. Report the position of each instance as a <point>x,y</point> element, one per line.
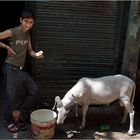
<point>95,118</point>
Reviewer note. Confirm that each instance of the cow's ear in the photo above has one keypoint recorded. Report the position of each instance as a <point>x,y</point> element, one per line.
<point>57,99</point>
<point>56,102</point>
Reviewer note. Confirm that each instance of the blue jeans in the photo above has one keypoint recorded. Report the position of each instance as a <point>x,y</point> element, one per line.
<point>20,92</point>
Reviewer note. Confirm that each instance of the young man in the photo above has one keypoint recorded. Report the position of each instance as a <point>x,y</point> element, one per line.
<point>20,89</point>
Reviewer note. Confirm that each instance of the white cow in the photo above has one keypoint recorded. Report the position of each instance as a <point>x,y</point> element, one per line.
<point>97,91</point>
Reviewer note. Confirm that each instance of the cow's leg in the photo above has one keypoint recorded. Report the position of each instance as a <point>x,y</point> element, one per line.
<point>130,110</point>
<point>131,127</point>
<point>124,116</point>
<point>84,111</point>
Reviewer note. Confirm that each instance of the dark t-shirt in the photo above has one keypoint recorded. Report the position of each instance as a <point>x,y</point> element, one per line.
<point>19,43</point>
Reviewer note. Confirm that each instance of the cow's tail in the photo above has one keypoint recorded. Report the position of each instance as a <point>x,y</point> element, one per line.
<point>133,94</point>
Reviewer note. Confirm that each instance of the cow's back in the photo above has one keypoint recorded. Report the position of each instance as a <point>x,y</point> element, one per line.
<point>101,90</point>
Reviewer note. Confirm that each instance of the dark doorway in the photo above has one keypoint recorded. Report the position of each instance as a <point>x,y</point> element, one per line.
<point>137,96</point>
<point>8,20</point>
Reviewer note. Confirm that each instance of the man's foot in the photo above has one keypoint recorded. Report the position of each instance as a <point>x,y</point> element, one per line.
<point>16,115</point>
<point>15,127</point>
<point>11,127</point>
<point>22,126</point>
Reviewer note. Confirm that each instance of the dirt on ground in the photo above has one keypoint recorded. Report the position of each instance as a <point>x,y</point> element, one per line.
<point>96,118</point>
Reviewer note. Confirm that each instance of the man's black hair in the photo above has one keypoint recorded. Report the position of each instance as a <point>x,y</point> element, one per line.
<point>27,14</point>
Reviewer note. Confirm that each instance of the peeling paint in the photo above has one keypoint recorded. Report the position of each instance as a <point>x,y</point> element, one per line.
<point>131,52</point>
<point>133,29</point>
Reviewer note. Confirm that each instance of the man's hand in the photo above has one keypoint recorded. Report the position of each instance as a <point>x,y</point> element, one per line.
<point>10,51</point>
<point>39,54</point>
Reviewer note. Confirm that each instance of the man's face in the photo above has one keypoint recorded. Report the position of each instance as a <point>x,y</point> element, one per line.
<point>26,23</point>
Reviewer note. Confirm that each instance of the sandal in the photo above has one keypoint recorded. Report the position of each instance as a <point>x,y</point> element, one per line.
<point>22,126</point>
<point>12,127</point>
<point>16,127</point>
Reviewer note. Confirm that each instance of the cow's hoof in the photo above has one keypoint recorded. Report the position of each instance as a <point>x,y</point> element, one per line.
<point>81,127</point>
<point>131,133</point>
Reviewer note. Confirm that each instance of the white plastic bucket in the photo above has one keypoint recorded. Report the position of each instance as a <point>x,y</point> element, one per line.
<point>43,123</point>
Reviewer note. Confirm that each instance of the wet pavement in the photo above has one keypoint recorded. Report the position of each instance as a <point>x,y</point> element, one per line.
<point>96,117</point>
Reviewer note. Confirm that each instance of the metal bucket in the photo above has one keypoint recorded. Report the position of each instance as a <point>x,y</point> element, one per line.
<point>43,123</point>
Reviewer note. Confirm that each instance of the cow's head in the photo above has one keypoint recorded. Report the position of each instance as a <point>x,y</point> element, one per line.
<point>61,111</point>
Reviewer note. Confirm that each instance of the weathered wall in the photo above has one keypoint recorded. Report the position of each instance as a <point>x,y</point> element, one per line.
<point>131,52</point>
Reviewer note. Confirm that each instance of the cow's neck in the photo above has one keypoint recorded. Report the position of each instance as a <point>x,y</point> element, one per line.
<point>68,101</point>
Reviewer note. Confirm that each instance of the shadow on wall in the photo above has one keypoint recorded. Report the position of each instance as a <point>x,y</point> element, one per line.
<point>3,54</point>
<point>8,20</point>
